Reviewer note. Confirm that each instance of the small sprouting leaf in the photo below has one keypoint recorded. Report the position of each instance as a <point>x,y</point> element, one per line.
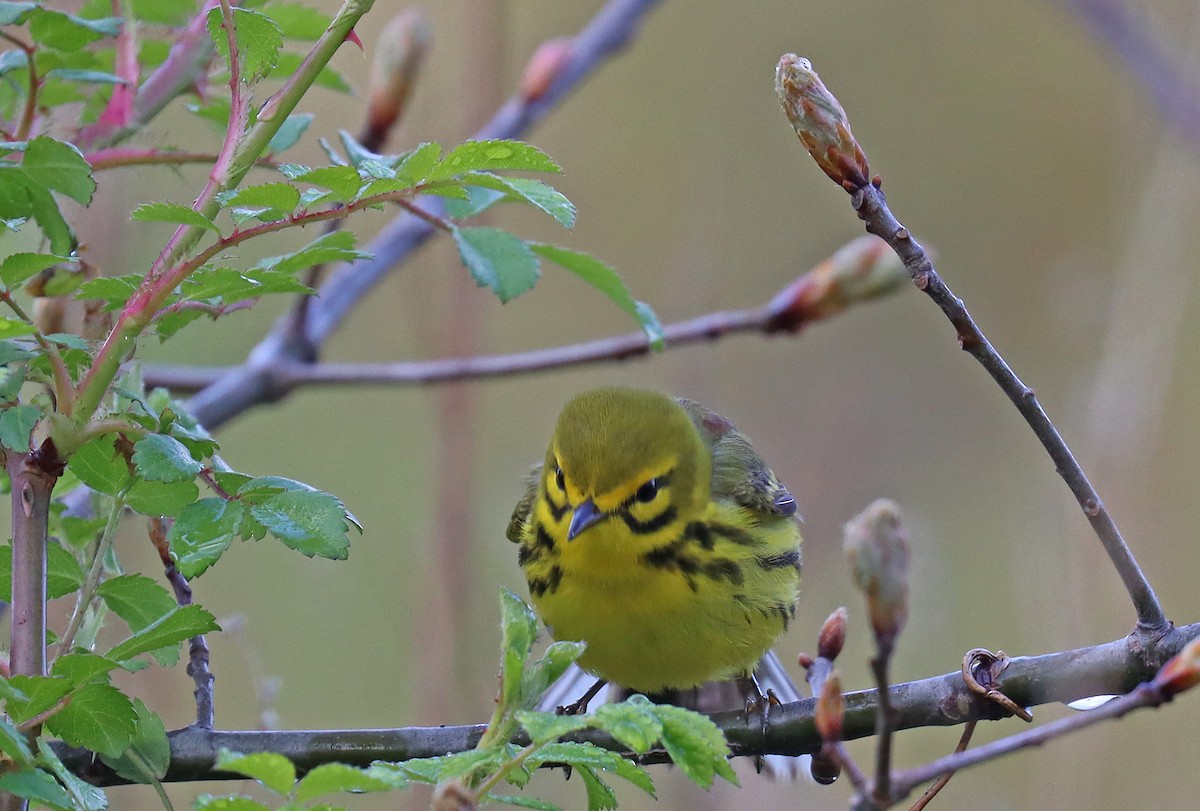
<point>631,722</point>
<point>173,213</point>
<point>81,667</point>
<point>695,744</point>
<point>334,777</point>
<point>335,247</point>
<point>149,752</point>
<point>98,717</point>
<point>497,260</point>
<point>14,328</point>
<point>16,424</point>
<point>17,267</point>
<point>181,623</point>
<point>100,466</point>
<point>274,771</point>
<point>535,192</point>
<point>137,599</point>
<point>163,458</point>
<point>85,796</point>
<point>160,498</point>
<point>606,280</point>
<point>59,166</point>
<point>274,196</point>
<point>544,727</point>
<point>202,532</point>
<point>258,41</point>
<point>474,156</point>
<point>289,133</point>
<point>309,521</point>
<point>553,663</point>
<point>518,624</point>
<point>37,785</point>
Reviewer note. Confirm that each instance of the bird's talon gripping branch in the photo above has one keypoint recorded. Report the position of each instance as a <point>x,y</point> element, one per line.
<point>980,670</point>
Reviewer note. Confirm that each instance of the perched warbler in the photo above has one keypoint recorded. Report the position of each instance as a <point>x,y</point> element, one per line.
<point>656,534</point>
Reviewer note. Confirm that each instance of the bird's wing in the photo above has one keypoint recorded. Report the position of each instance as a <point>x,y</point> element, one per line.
<point>516,524</point>
<point>738,471</point>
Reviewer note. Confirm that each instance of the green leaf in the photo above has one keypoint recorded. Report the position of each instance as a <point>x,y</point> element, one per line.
<point>274,771</point>
<point>64,32</point>
<point>311,522</point>
<point>41,693</point>
<point>233,802</point>
<point>497,260</point>
<point>59,166</point>
<point>544,727</point>
<point>600,795</point>
<point>335,247</point>
<point>98,717</point>
<point>37,785</point>
<point>695,745</point>
<point>181,623</point>
<point>518,624</point>
<point>586,755</point>
<point>114,290</point>
<point>297,21</point>
<point>334,777</point>
<point>289,133</point>
<point>50,220</point>
<point>84,795</point>
<point>632,722</point>
<point>552,664</point>
<point>81,667</point>
<point>17,267</point>
<point>521,801</point>
<point>489,155</point>
<point>274,196</point>
<point>605,279</point>
<point>202,532</point>
<point>100,467</point>
<point>137,599</point>
<point>160,498</point>
<point>16,424</point>
<point>63,572</point>
<point>288,63</point>
<point>85,76</point>
<point>164,12</point>
<point>173,213</point>
<point>478,200</point>
<point>149,752</point>
<point>163,458</point>
<point>12,328</point>
<point>415,164</point>
<point>258,41</point>
<point>344,181</point>
<point>534,192</point>
<point>13,743</point>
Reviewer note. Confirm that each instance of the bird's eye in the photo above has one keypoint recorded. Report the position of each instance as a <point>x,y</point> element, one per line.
<point>647,491</point>
<point>559,479</point>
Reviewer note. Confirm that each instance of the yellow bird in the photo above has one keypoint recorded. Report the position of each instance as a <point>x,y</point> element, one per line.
<point>656,534</point>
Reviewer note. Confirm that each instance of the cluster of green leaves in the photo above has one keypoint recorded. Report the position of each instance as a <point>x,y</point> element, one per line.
<point>692,741</point>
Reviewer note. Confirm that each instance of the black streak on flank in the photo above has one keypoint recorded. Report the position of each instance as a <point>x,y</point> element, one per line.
<point>730,533</point>
<point>546,585</point>
<point>782,560</point>
<point>698,531</point>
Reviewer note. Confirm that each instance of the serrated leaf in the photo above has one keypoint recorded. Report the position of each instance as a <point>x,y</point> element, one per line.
<point>534,192</point>
<point>605,279</point>
<point>160,498</point>
<point>114,290</point>
<point>272,770</point>
<point>329,778</point>
<point>600,795</point>
<point>80,667</point>
<point>163,458</point>
<point>344,181</point>
<point>50,219</point>
<point>633,723</point>
<point>275,196</point>
<point>136,599</point>
<point>415,164</point>
<point>100,467</point>
<point>13,743</point>
<point>497,260</point>
<point>173,213</point>
<point>98,717</point>
<point>41,693</point>
<point>17,267</point>
<point>16,424</point>
<point>149,752</point>
<point>695,745</point>
<point>335,247</point>
<point>59,166</point>
<point>311,522</point>
<point>84,795</point>
<point>14,328</point>
<point>202,532</point>
<point>544,727</point>
<point>553,663</point>
<point>258,41</point>
<point>36,785</point>
<point>289,132</point>
<point>593,757</point>
<point>64,575</point>
<point>518,624</point>
<point>474,156</point>
<point>478,200</point>
<point>182,623</point>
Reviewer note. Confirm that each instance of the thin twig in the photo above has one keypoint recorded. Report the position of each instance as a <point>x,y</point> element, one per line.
<point>963,741</point>
<point>872,208</point>
<point>883,724</point>
<point>95,570</point>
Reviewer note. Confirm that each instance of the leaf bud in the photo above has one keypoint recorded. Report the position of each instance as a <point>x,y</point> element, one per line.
<point>821,123</point>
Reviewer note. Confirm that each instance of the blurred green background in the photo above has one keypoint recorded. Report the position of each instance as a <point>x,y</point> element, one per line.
<point>1011,141</point>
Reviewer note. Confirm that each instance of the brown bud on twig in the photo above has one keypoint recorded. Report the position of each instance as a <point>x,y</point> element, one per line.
<point>1181,672</point>
<point>862,269</point>
<point>399,53</point>
<point>544,67</point>
<point>829,710</point>
<point>821,123</point>
<point>833,635</point>
<point>877,548</point>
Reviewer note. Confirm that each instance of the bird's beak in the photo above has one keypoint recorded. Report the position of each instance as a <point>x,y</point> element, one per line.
<point>584,516</point>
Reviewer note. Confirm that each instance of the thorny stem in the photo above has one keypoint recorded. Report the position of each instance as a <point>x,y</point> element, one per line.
<point>95,571</point>
<point>872,208</point>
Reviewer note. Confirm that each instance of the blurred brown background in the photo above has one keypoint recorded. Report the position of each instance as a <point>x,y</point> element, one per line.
<point>1010,139</point>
